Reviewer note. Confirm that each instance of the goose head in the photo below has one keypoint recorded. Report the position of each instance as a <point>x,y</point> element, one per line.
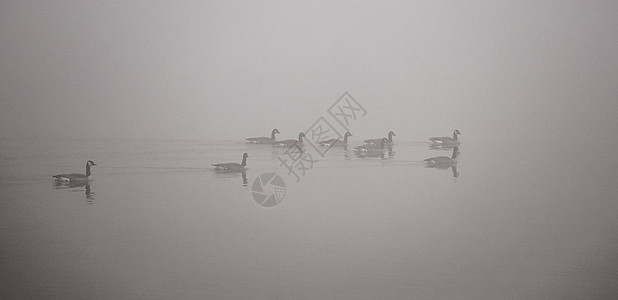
<point>390,133</point>
<point>245,155</point>
<point>456,131</point>
<point>301,136</point>
<point>348,134</point>
<point>90,163</point>
<point>275,131</point>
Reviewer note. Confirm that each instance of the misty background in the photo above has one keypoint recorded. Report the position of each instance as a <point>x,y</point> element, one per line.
<point>156,91</point>
<point>229,70</point>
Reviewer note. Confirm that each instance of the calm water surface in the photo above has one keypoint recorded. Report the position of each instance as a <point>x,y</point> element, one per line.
<point>517,222</point>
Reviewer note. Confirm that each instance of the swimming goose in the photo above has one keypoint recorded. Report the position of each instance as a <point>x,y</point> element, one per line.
<point>233,166</point>
<point>290,143</point>
<point>263,139</point>
<point>372,150</point>
<point>76,177</point>
<point>375,141</point>
<point>337,142</point>
<point>372,147</point>
<point>446,139</point>
<point>444,160</point>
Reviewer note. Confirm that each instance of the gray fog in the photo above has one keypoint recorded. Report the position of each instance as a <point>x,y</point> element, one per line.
<point>235,69</point>
<point>154,94</point>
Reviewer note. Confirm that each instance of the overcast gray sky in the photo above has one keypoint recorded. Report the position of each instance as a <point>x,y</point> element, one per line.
<point>232,69</point>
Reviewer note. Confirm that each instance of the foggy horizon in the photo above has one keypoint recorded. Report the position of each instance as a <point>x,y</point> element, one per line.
<point>158,98</point>
<point>234,70</point>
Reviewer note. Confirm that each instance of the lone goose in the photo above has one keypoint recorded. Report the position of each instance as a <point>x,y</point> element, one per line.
<point>233,166</point>
<point>76,177</point>
<point>290,143</point>
<point>444,160</point>
<point>337,142</point>
<point>263,139</point>
<point>446,139</point>
<point>375,141</point>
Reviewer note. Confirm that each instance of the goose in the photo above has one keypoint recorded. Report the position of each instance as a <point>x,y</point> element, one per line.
<point>372,150</point>
<point>446,139</point>
<point>263,139</point>
<point>372,147</point>
<point>337,142</point>
<point>290,143</point>
<point>76,177</point>
<point>444,160</point>
<point>233,166</point>
<point>375,141</point>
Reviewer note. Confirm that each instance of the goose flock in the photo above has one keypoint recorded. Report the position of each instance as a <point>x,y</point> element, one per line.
<point>371,147</point>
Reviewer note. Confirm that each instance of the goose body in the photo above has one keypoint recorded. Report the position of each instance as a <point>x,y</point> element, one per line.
<point>444,160</point>
<point>379,147</point>
<point>76,177</point>
<point>372,150</point>
<point>263,139</point>
<point>337,142</point>
<point>376,141</point>
<point>233,166</point>
<point>290,143</point>
<point>446,139</point>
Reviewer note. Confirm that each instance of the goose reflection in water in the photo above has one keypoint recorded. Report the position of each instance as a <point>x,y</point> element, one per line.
<point>391,153</point>
<point>74,187</point>
<point>444,162</point>
<point>232,174</point>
